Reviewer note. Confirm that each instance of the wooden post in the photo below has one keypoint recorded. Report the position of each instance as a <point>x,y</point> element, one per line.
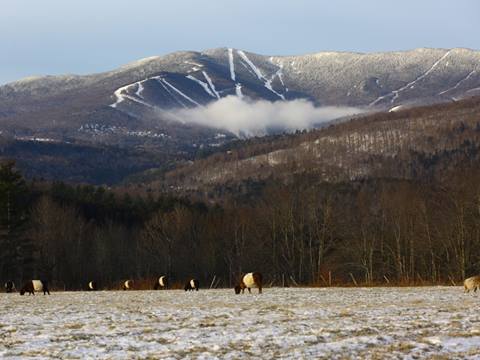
<point>386,279</point>
<point>213,281</point>
<point>420,278</point>
<point>330,278</point>
<point>353,278</point>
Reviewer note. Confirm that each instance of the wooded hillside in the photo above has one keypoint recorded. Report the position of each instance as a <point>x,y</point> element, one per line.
<point>390,198</point>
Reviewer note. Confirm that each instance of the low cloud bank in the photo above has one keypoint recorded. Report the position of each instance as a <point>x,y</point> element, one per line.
<point>246,118</point>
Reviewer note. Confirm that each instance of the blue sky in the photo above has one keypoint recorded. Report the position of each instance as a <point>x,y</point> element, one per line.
<point>64,36</point>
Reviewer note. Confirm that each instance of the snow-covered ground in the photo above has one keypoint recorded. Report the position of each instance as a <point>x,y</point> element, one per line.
<point>280,323</point>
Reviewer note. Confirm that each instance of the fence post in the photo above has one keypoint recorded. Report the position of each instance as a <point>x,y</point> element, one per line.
<point>353,278</point>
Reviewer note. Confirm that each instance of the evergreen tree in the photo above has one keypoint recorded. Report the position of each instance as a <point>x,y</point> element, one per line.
<point>16,251</point>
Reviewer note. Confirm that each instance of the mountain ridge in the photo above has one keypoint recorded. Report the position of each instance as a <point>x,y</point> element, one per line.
<point>132,106</point>
<point>186,79</point>
<point>154,62</point>
<point>147,59</point>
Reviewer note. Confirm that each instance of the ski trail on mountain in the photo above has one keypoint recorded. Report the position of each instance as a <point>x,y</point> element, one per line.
<point>458,83</point>
<point>119,96</point>
<point>396,93</point>
<point>204,85</point>
<point>122,95</point>
<point>171,94</point>
<point>268,83</point>
<point>140,89</point>
<point>251,64</point>
<point>210,82</point>
<point>279,72</point>
<point>232,66</point>
<point>238,90</point>
<point>280,76</point>
<point>245,65</point>
<point>474,89</point>
<point>180,93</point>
<point>258,73</point>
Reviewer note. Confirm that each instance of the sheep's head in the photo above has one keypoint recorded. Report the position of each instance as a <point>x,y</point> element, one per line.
<point>22,292</point>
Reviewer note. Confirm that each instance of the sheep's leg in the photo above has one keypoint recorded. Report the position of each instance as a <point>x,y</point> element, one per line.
<point>249,290</point>
<point>260,289</point>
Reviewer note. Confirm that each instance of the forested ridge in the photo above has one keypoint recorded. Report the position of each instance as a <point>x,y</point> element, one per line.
<point>413,219</point>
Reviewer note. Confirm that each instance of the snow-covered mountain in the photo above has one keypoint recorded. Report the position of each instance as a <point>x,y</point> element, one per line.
<point>133,102</point>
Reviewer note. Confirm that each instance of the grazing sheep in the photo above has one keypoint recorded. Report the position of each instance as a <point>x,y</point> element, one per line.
<point>191,285</point>
<point>161,283</point>
<point>9,286</point>
<point>128,285</point>
<point>472,283</point>
<point>35,285</point>
<point>92,286</point>
<point>248,281</point>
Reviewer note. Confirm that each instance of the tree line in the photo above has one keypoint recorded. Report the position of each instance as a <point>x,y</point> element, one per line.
<point>373,231</point>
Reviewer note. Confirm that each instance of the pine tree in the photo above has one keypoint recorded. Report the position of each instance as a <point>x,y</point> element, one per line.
<point>16,251</point>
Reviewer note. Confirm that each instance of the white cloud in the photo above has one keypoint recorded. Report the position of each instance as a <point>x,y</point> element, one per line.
<point>247,118</point>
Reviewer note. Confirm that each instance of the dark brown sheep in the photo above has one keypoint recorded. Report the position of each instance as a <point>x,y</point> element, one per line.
<point>192,284</point>
<point>161,283</point>
<point>35,285</point>
<point>128,285</point>
<point>92,286</point>
<point>9,286</point>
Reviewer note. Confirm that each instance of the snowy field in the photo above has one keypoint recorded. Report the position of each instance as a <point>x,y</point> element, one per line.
<point>438,322</point>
